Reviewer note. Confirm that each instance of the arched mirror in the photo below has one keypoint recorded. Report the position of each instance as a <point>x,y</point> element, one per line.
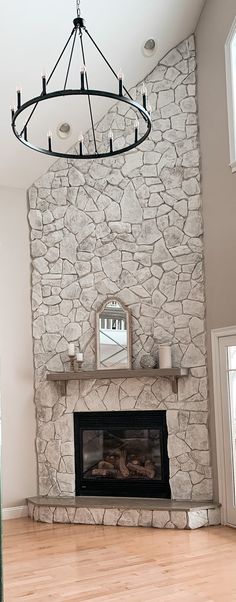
<point>113,337</point>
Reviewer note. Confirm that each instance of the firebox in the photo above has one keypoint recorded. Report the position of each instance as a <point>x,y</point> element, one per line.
<point>121,454</point>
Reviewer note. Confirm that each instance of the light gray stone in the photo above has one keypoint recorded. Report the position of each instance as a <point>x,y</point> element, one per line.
<point>35,219</point>
<point>59,195</point>
<point>214,517</point>
<point>68,248</point>
<point>193,225</point>
<point>111,516</point>
<point>194,308</point>
<point>76,178</point>
<point>160,518</point>
<point>177,446</point>
<point>132,161</point>
<point>179,519</point>
<point>130,207</point>
<point>83,516</point>
<point>161,253</point>
<point>38,248</point>
<point>71,292</point>
<point>98,515</point>
<point>193,357</point>
<point>61,515</point>
<point>72,332</point>
<point>129,518</point>
<point>197,519</point>
<point>181,486</point>
<point>112,265</point>
<point>203,490</point>
<point>55,324</point>
<point>197,437</point>
<point>39,327</point>
<point>165,97</point>
<point>76,220</point>
<point>145,518</point>
<point>149,232</point>
<point>172,58</point>
<point>45,514</point>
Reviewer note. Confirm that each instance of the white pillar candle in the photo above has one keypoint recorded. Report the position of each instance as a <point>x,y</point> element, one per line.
<point>79,357</point>
<point>71,349</point>
<point>165,356</point>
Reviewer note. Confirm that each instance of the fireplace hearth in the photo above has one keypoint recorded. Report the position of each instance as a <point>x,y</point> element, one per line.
<point>121,454</point>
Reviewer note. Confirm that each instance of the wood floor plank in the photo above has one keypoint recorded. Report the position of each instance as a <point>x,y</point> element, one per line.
<point>82,563</point>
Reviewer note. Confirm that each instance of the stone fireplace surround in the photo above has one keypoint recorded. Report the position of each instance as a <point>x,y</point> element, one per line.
<point>129,227</point>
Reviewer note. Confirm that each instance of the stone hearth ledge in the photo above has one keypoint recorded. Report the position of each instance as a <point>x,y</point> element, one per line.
<point>124,512</point>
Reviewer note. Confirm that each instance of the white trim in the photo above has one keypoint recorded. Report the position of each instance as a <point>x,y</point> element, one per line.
<point>230,97</point>
<point>17,512</point>
<point>233,166</point>
<point>216,335</point>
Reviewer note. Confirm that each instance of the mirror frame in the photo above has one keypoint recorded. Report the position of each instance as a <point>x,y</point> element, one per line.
<point>97,346</point>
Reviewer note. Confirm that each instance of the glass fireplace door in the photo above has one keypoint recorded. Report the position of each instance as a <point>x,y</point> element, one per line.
<point>121,453</point>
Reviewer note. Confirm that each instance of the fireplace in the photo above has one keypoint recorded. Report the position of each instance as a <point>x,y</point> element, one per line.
<point>121,454</point>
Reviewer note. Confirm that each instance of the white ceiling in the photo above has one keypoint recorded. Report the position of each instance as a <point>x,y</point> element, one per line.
<point>33,33</point>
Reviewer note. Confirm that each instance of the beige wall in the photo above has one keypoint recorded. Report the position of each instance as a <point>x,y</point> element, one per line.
<point>16,369</point>
<point>219,184</point>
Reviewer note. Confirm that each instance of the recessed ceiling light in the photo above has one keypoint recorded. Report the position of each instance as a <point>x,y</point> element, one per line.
<point>149,47</point>
<point>64,130</point>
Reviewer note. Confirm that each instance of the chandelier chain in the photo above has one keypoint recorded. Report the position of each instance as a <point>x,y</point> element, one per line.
<point>78,7</point>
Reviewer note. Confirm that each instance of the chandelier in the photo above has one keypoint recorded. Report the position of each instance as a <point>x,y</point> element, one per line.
<point>141,113</point>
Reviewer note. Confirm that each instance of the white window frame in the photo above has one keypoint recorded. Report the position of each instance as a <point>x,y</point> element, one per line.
<point>231,94</point>
<point>216,335</point>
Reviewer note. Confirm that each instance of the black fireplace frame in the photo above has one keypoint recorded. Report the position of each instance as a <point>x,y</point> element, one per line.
<point>121,487</point>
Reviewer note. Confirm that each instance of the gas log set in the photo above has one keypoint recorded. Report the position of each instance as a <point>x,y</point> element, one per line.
<point>127,461</point>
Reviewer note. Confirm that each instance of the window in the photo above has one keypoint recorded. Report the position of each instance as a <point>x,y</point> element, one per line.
<point>230,55</point>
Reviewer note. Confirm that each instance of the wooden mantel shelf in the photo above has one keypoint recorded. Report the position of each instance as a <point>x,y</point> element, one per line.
<point>173,373</point>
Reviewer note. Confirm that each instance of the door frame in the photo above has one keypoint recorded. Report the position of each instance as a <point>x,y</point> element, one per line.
<point>216,335</point>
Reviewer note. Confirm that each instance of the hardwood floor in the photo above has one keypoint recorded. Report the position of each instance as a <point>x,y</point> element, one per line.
<point>81,563</point>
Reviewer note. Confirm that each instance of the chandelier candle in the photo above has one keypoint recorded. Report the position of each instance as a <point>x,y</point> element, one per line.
<point>18,95</point>
<point>82,76</point>
<point>136,129</point>
<point>50,141</point>
<point>81,139</point>
<point>144,95</point>
<point>120,79</point>
<point>44,83</point>
<point>111,140</point>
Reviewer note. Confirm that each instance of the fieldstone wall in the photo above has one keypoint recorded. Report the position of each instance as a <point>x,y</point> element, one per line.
<point>129,227</point>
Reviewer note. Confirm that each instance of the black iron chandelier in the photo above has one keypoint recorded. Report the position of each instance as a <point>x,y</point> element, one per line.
<point>141,111</point>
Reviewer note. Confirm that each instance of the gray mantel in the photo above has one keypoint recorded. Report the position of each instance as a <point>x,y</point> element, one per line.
<point>172,373</point>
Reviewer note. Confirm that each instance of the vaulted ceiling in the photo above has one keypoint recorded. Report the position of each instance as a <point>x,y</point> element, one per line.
<point>32,35</point>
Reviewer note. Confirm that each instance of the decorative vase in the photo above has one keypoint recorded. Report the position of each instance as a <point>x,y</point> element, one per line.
<point>165,360</point>
<point>148,361</point>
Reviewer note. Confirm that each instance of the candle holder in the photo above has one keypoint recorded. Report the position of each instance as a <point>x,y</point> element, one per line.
<point>79,359</point>
<point>72,363</point>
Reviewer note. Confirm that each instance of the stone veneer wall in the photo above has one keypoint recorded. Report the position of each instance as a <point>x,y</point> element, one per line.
<point>132,227</point>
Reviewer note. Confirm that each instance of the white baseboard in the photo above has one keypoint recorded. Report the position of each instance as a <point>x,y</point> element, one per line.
<point>17,512</point>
